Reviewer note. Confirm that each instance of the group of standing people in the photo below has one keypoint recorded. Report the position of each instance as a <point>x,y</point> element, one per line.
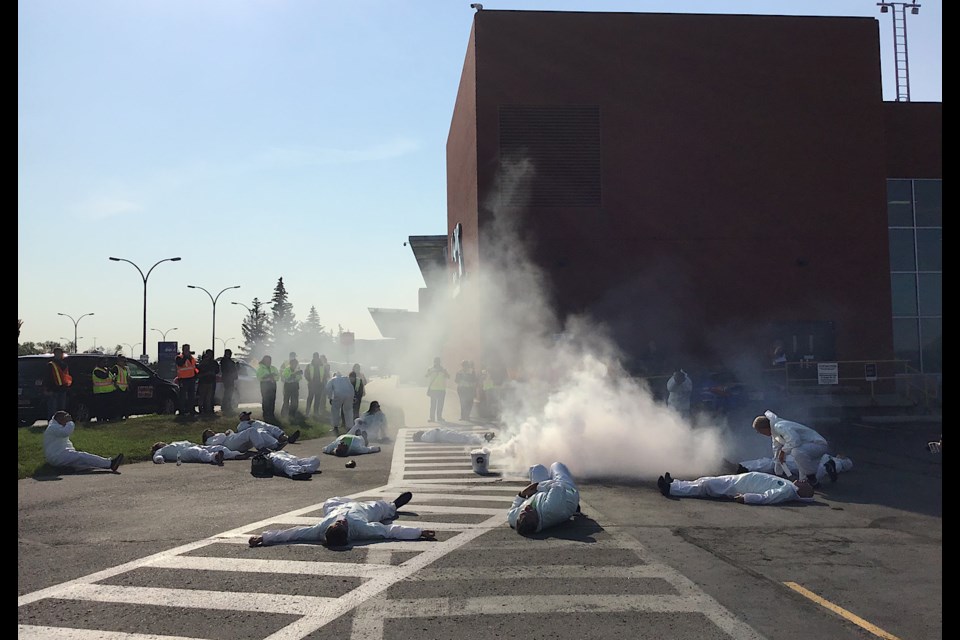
<point>197,381</point>
<point>471,386</point>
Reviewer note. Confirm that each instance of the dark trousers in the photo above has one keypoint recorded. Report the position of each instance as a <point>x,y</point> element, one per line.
<point>466,401</point>
<point>436,405</point>
<point>268,396</point>
<point>205,396</point>
<point>105,405</point>
<point>291,399</point>
<point>314,398</point>
<point>226,403</point>
<point>56,401</point>
<point>187,395</point>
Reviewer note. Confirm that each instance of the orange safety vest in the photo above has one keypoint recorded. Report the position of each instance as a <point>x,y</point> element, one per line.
<point>188,369</point>
<point>61,375</point>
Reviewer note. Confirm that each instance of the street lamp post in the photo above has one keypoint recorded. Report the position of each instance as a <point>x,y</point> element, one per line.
<point>213,299</point>
<point>144,277</point>
<point>127,344</point>
<point>75,323</point>
<point>164,333</point>
<point>225,342</point>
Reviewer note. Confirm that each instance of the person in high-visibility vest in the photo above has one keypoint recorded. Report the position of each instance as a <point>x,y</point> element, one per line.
<point>291,374</point>
<point>268,375</point>
<point>104,390</point>
<point>187,380</point>
<point>316,374</point>
<point>57,382</point>
<point>437,378</point>
<point>121,379</point>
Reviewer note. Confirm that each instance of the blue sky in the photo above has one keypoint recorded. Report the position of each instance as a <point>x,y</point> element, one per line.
<point>258,140</point>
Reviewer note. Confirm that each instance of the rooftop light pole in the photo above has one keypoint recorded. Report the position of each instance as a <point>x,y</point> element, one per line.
<point>213,299</point>
<point>145,277</point>
<point>75,323</point>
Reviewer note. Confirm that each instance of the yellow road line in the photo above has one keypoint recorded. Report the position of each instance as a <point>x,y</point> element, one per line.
<point>840,611</point>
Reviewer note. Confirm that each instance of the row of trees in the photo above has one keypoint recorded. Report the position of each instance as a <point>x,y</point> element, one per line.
<point>269,327</point>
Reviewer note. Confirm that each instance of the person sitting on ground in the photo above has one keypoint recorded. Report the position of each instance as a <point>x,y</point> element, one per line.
<point>247,422</point>
<point>551,498</point>
<point>829,466</point>
<point>376,421</point>
<point>287,464</point>
<point>242,441</point>
<point>344,520</point>
<point>350,444</point>
<point>792,438</point>
<point>186,451</point>
<point>746,488</point>
<point>60,452</point>
<point>450,436</point>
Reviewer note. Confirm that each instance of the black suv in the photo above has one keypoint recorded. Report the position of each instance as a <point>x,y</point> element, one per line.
<point>147,392</point>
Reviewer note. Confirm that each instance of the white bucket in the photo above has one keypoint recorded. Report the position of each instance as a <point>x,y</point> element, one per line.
<point>480,459</point>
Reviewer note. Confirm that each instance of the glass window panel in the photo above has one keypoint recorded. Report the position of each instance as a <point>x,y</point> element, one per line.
<point>931,330</point>
<point>904,290</point>
<point>902,256</point>
<point>930,249</point>
<point>931,294</point>
<point>899,203</point>
<point>929,203</point>
<point>906,341</point>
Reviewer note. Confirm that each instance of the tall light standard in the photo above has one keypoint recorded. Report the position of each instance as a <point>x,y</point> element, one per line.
<point>127,344</point>
<point>225,342</point>
<point>75,323</point>
<point>213,299</point>
<point>177,259</point>
<point>164,333</point>
<point>901,60</point>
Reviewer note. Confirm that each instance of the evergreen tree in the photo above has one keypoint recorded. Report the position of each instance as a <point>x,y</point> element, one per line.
<point>283,323</point>
<point>256,332</point>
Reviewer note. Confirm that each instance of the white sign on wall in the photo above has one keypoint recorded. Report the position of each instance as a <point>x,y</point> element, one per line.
<point>828,373</point>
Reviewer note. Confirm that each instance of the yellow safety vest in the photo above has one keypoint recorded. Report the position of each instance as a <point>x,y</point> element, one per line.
<point>122,378</point>
<point>102,385</point>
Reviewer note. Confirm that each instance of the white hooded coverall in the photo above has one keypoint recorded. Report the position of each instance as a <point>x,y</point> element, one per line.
<point>755,487</point>
<point>60,452</point>
<point>803,443</point>
<point>364,522</point>
<point>191,452</point>
<point>244,440</point>
<point>450,436</point>
<point>340,392</point>
<point>290,465</point>
<point>356,445</point>
<point>272,429</point>
<point>767,465</point>
<point>556,499</point>
<point>679,393</point>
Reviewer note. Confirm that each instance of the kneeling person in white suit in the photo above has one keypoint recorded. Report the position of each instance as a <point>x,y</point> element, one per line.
<point>450,436</point>
<point>345,519</point>
<point>550,499</point>
<point>60,452</point>
<point>746,488</point>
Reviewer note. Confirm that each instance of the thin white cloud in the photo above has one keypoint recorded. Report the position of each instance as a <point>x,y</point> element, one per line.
<point>388,150</point>
<point>103,207</point>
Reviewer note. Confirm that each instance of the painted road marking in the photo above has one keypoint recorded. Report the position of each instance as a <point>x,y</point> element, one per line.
<point>840,611</point>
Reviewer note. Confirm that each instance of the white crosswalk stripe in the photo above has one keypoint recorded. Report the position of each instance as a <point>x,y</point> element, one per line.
<point>468,512</point>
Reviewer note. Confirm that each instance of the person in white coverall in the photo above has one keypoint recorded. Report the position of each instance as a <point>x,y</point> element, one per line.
<point>349,444</point>
<point>186,451</point>
<point>679,390</point>
<point>242,441</point>
<point>792,438</point>
<point>745,488</point>
<point>376,422</point>
<point>60,452</point>
<point>247,422</point>
<point>340,392</point>
<point>829,466</point>
<point>289,465</point>
<point>450,436</point>
<point>550,499</point>
<point>345,519</point>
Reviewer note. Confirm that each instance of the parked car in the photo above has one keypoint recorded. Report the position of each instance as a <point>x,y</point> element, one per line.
<point>147,392</point>
<point>723,392</point>
<point>248,387</point>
